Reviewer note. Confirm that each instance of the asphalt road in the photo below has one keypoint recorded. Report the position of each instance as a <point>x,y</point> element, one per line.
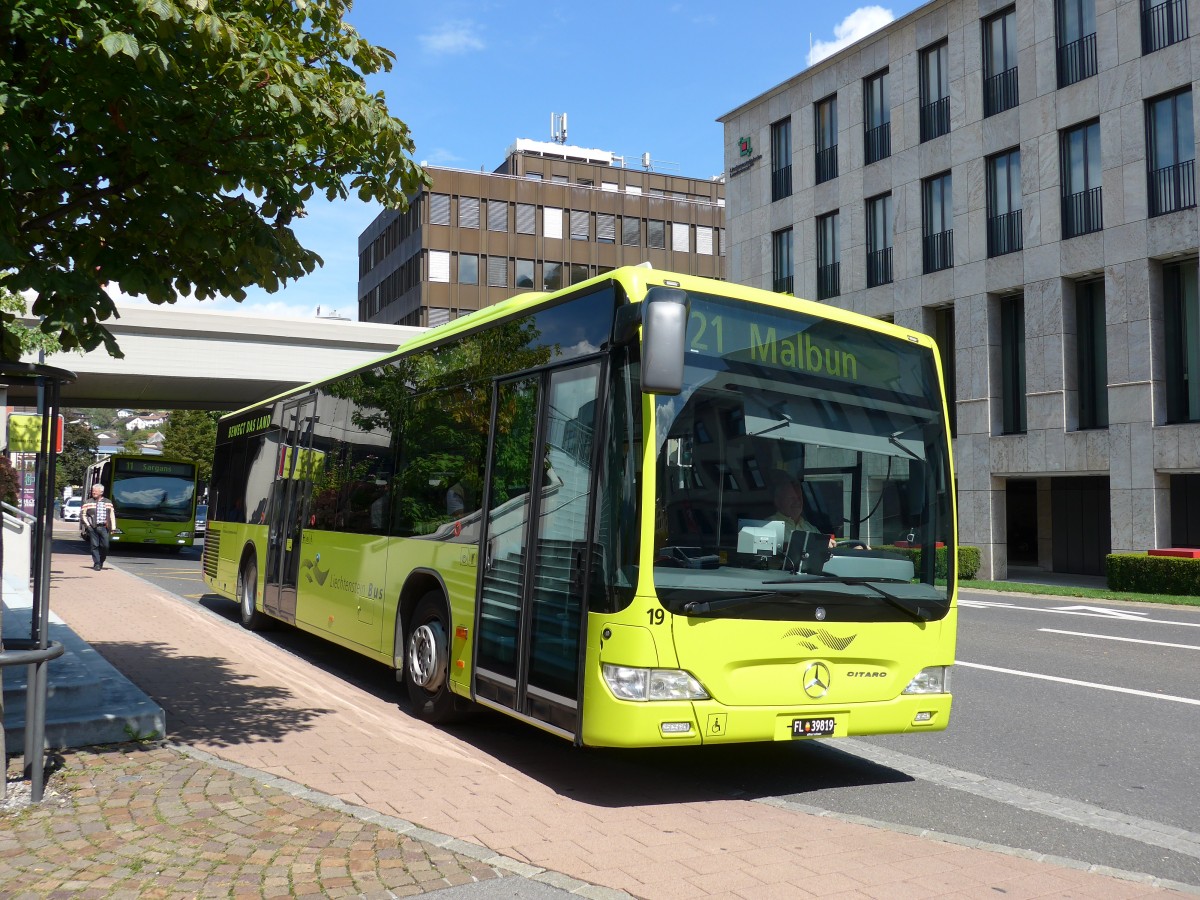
<point>1074,734</point>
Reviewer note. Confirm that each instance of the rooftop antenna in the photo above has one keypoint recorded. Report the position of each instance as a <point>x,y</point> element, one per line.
<point>558,128</point>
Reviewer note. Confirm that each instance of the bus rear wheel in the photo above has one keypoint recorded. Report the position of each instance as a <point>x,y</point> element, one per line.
<point>247,594</point>
<point>427,662</point>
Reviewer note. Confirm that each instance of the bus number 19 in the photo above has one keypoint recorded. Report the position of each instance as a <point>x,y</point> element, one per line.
<point>656,616</point>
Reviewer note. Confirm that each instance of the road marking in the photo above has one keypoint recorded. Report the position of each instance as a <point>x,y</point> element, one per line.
<point>1103,687</point>
<point>1103,611</point>
<point>1111,637</point>
<point>1077,611</point>
<point>1146,831</point>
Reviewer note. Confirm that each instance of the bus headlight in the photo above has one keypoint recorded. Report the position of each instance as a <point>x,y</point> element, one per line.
<point>933,680</point>
<point>630,683</point>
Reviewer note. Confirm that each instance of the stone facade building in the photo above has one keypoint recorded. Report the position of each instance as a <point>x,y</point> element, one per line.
<point>1016,179</point>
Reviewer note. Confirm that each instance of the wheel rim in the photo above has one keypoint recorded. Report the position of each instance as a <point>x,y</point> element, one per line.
<point>427,656</point>
<point>247,593</point>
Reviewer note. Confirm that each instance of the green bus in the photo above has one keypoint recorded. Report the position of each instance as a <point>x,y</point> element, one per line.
<point>560,507</point>
<point>154,498</point>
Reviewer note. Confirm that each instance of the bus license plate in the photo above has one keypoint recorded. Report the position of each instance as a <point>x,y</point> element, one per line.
<point>812,727</point>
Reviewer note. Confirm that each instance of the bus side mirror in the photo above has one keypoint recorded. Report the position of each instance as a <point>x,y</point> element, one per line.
<point>664,334</point>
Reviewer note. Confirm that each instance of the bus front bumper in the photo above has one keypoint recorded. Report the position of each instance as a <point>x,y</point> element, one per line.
<point>618,723</point>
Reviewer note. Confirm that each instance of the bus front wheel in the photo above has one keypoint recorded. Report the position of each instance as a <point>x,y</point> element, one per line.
<point>247,593</point>
<point>427,662</point>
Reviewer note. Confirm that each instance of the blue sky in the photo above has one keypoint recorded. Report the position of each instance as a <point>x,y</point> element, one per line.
<point>633,77</point>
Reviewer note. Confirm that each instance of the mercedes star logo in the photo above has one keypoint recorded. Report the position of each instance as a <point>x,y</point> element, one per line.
<point>816,680</point>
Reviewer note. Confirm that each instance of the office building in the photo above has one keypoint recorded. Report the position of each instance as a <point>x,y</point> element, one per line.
<point>1017,179</point>
<point>551,215</point>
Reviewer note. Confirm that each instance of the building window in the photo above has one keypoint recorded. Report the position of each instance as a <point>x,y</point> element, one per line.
<point>704,240</point>
<point>468,268</point>
<point>468,212</point>
<point>552,276</point>
<point>681,237</point>
<point>1012,365</point>
<point>828,264</point>
<point>1082,203</point>
<point>580,230</point>
<point>524,273</point>
<point>1000,62</point>
<point>656,234</point>
<point>631,231</point>
<point>781,159</point>
<point>526,218</point>
<point>1075,24</point>
<point>606,228</point>
<point>497,271</point>
<point>552,221</point>
<point>1181,321</point>
<point>781,261</point>
<point>1004,203</point>
<point>579,272</point>
<point>497,215</point>
<point>439,266</point>
<point>877,118</point>
<point>439,209</point>
<point>943,333</point>
<point>1171,153</point>
<point>935,91</point>
<point>879,240</point>
<point>827,135</point>
<point>937,221</point>
<point>1091,354</point>
<point>1163,24</point>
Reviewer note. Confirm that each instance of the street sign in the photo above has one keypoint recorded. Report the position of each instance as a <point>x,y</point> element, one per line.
<point>25,433</point>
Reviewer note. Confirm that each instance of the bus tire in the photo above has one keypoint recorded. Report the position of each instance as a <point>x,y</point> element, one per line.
<point>247,594</point>
<point>427,662</point>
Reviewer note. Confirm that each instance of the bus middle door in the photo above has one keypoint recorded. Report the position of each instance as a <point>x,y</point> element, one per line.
<point>293,482</point>
<point>536,550</point>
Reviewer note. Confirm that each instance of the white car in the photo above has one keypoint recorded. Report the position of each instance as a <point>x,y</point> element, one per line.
<point>70,510</point>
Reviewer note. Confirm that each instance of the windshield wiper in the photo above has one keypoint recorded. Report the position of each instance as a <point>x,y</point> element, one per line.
<point>919,610</point>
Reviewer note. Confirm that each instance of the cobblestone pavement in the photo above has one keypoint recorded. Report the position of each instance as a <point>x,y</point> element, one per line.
<point>134,820</point>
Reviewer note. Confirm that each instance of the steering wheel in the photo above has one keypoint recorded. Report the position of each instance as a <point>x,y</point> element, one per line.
<point>852,545</point>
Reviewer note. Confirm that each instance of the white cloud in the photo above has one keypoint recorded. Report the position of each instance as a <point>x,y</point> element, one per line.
<point>452,38</point>
<point>854,27</point>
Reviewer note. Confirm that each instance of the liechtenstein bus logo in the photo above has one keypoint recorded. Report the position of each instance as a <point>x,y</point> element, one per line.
<point>744,148</point>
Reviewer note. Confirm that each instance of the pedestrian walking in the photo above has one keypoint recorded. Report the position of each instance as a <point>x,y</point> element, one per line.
<point>100,519</point>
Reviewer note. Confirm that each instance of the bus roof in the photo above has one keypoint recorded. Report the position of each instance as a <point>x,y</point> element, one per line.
<point>636,280</point>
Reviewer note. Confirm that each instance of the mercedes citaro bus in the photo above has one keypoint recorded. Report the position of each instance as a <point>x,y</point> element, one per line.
<point>561,507</point>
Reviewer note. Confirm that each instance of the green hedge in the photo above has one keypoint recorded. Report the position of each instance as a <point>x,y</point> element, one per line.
<point>1142,574</point>
<point>968,560</point>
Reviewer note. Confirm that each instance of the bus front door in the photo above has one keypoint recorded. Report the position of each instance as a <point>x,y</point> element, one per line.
<point>535,549</point>
<point>289,500</point>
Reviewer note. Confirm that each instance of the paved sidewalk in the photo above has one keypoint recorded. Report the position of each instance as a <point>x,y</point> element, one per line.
<point>138,820</point>
<point>242,698</point>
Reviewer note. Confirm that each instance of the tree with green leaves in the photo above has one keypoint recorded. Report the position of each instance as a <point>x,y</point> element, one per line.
<point>79,452</point>
<point>169,145</point>
<point>191,434</point>
<point>27,338</point>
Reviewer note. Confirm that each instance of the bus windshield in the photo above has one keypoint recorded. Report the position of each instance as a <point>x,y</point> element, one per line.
<point>801,472</point>
<point>154,490</point>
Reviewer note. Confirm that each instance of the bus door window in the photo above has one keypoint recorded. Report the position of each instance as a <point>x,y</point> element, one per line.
<point>508,502</point>
<point>292,484</point>
<point>563,551</point>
